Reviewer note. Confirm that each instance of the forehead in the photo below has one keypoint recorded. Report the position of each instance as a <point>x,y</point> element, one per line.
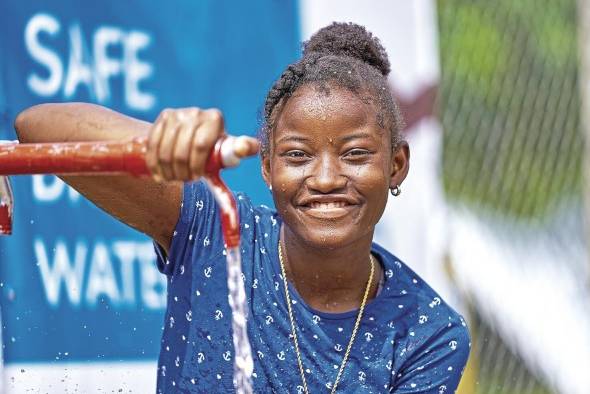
<point>316,109</point>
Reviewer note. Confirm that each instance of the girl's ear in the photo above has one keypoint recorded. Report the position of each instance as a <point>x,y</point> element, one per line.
<point>400,165</point>
<point>265,169</point>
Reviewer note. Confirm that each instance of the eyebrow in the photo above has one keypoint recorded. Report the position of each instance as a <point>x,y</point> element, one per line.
<point>350,137</point>
<point>355,136</point>
<point>294,138</point>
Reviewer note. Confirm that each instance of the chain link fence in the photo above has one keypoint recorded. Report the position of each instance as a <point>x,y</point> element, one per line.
<point>512,168</point>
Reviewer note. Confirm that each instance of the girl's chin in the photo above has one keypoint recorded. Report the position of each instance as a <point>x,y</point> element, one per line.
<point>327,234</point>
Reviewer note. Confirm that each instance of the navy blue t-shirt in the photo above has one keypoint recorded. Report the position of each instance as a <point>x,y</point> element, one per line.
<point>409,340</point>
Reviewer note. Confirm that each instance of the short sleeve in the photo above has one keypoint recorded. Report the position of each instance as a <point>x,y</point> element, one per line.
<point>197,209</point>
<point>436,365</point>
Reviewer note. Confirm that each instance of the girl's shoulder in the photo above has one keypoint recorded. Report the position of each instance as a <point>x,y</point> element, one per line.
<point>409,292</point>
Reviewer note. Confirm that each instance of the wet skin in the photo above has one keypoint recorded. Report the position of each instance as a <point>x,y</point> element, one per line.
<point>330,167</point>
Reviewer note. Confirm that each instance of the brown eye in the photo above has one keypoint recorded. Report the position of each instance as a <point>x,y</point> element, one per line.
<point>357,153</point>
<point>295,154</point>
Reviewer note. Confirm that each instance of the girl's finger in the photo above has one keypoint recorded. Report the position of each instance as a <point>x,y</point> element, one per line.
<point>203,141</point>
<point>166,148</point>
<point>181,153</point>
<point>153,145</point>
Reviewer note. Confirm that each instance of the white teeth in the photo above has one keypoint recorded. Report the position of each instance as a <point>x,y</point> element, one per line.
<point>328,205</point>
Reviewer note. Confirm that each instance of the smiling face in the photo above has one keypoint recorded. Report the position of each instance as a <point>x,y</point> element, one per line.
<point>330,166</point>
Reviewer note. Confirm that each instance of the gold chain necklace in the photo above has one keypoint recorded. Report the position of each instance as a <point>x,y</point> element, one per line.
<point>356,324</point>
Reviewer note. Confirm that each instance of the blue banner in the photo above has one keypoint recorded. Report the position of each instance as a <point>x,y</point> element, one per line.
<point>75,284</point>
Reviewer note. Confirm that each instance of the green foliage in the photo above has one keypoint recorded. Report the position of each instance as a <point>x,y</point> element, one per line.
<point>509,104</point>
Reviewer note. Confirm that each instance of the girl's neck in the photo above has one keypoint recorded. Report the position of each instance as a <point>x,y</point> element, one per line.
<point>330,280</point>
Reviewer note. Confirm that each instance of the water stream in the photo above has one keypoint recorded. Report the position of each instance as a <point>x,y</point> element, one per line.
<point>243,363</point>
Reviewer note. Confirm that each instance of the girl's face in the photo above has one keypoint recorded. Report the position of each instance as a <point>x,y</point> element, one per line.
<point>330,167</point>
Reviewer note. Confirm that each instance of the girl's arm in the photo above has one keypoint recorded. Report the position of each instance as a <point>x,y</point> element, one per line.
<point>179,142</point>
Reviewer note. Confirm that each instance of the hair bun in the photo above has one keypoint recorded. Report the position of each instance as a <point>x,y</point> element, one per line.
<point>349,39</point>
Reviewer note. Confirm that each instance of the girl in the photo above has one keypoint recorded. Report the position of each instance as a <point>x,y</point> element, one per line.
<point>328,309</point>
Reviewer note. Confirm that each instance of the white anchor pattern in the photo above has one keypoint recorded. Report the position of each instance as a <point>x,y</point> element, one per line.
<point>197,348</point>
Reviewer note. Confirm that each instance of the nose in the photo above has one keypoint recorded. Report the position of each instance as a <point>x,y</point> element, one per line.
<point>327,176</point>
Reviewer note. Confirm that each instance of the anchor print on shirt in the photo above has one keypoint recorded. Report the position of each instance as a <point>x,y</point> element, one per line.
<point>218,315</point>
<point>338,347</point>
<point>453,345</point>
<point>423,319</point>
<point>362,376</point>
<point>269,320</point>
<point>200,357</point>
<point>281,355</point>
<point>207,272</point>
<point>368,336</point>
<point>435,301</point>
<point>227,355</point>
<point>199,204</point>
<point>300,389</point>
<point>316,319</point>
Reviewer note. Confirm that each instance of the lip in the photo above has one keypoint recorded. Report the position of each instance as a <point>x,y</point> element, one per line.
<point>328,213</point>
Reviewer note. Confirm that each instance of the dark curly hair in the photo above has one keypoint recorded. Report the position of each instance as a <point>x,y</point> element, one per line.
<point>344,55</point>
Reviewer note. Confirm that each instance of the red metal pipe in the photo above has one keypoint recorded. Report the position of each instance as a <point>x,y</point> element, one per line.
<point>110,158</point>
<point>6,206</point>
<point>74,158</point>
